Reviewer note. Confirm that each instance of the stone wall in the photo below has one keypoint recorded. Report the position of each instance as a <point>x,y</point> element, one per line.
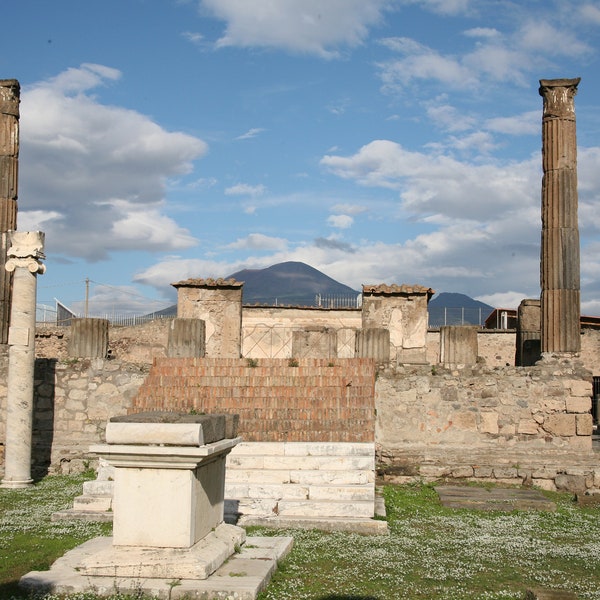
<point>507,424</point>
<point>73,402</point>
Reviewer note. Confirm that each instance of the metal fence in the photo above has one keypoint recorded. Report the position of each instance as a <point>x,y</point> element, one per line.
<point>444,315</point>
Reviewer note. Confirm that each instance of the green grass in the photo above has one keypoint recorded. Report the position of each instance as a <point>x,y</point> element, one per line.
<point>430,553</point>
<point>434,552</point>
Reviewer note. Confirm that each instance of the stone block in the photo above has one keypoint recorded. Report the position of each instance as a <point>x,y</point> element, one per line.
<point>325,509</point>
<point>460,472</point>
<point>585,424</point>
<point>560,424</point>
<point>544,484</point>
<point>581,388</point>
<point>578,404</point>
<point>570,483</point>
<point>434,471</point>
<point>466,420</point>
<point>483,472</point>
<point>505,472</point>
<point>489,422</point>
<point>527,427</point>
<point>347,493</point>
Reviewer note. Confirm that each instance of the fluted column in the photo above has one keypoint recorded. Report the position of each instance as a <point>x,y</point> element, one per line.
<point>559,273</point>
<point>24,256</point>
<point>9,162</point>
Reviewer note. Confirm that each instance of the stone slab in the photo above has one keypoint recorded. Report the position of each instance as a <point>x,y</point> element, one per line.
<point>501,499</point>
<point>215,426</point>
<point>242,577</point>
<point>196,562</point>
<point>544,594</point>
<point>362,526</point>
<point>168,434</point>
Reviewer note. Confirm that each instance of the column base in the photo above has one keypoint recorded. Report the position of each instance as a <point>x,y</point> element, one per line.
<point>16,483</point>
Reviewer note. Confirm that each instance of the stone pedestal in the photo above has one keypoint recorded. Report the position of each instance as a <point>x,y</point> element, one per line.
<point>170,540</point>
<point>217,302</point>
<point>168,501</point>
<point>402,310</point>
<point>24,257</point>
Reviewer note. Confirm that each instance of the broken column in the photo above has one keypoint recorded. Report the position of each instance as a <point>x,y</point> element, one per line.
<point>9,161</point>
<point>559,274</point>
<point>24,256</point>
<point>458,345</point>
<point>89,338</point>
<point>528,333</point>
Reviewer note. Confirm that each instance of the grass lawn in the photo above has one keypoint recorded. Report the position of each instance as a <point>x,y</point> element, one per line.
<point>430,553</point>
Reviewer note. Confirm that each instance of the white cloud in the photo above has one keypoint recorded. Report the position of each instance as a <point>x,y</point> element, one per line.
<point>301,26</point>
<point>251,133</point>
<point>535,34</point>
<point>245,189</point>
<point>258,241</point>
<point>193,37</point>
<point>420,62</point>
<point>482,32</point>
<point>340,221</point>
<point>349,209</point>
<point>449,118</point>
<point>590,13</point>
<point>99,171</point>
<point>524,124</point>
<point>510,300</point>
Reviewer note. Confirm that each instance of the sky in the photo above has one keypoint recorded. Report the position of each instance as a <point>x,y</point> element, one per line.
<point>379,141</point>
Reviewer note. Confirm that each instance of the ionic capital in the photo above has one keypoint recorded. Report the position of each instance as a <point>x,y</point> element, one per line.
<point>558,95</point>
<point>26,250</point>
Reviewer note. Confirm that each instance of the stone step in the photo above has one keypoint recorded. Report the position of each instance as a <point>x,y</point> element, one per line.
<point>97,503</point>
<point>98,487</point>
<point>292,509</point>
<point>332,493</point>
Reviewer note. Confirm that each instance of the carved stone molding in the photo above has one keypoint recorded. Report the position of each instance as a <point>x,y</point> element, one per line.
<point>558,95</point>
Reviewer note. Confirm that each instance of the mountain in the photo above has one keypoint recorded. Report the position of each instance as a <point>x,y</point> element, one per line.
<point>450,308</point>
<point>292,283</point>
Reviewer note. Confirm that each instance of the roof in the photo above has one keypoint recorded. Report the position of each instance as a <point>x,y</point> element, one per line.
<point>209,283</point>
<point>396,290</point>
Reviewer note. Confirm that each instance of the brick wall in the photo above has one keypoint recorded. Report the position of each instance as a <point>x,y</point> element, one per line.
<point>319,400</point>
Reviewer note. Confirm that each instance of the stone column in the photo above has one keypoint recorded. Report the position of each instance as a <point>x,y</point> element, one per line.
<point>528,333</point>
<point>458,345</point>
<point>24,257</point>
<point>559,274</point>
<point>9,161</point>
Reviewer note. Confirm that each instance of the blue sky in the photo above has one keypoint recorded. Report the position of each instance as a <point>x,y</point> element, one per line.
<point>380,141</point>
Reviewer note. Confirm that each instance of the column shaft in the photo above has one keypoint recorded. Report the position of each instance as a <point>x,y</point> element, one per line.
<point>23,261</point>
<point>560,260</point>
<point>9,172</point>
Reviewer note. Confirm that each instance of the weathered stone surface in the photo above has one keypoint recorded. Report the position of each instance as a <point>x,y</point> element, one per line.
<point>560,424</point>
<point>544,594</point>
<point>572,483</point>
<point>489,422</point>
<point>578,404</point>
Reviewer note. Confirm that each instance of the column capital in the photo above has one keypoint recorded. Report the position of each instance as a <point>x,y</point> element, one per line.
<point>9,97</point>
<point>558,95</point>
<point>26,250</point>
